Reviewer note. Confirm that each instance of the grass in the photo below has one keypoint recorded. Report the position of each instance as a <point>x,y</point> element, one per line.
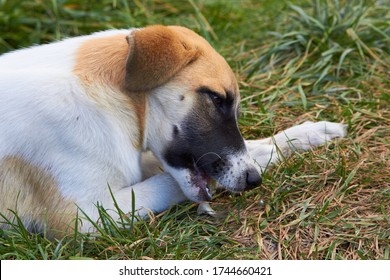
<point>305,60</point>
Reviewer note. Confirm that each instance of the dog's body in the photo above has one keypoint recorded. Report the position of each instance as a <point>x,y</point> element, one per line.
<point>77,118</point>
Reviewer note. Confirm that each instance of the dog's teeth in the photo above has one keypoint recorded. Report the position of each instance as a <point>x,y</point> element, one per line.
<point>208,191</point>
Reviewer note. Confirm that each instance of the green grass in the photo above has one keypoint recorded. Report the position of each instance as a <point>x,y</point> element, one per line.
<point>295,61</point>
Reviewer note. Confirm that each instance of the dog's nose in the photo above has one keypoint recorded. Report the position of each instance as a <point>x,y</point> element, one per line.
<point>253,179</point>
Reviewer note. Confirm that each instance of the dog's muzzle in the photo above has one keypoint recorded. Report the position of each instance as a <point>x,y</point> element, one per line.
<point>233,175</point>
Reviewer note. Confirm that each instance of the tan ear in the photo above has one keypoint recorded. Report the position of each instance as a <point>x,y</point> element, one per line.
<point>156,54</point>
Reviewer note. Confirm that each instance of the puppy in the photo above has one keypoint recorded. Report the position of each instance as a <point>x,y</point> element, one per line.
<point>91,117</point>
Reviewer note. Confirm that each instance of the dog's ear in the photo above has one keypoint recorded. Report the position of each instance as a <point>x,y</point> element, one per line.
<point>156,54</point>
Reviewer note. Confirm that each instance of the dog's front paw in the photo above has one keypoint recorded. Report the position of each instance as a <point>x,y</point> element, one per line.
<point>321,132</point>
<point>310,134</point>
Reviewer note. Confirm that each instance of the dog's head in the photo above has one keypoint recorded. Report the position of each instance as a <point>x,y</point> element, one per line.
<point>193,102</point>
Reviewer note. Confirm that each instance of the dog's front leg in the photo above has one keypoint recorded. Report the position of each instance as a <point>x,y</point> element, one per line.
<point>154,194</point>
<point>266,152</point>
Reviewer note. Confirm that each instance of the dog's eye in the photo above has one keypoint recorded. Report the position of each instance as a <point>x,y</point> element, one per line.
<point>217,100</point>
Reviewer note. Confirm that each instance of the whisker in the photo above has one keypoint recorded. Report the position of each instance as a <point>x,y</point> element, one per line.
<point>212,153</point>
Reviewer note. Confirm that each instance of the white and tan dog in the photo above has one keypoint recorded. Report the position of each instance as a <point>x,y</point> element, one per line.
<point>79,115</point>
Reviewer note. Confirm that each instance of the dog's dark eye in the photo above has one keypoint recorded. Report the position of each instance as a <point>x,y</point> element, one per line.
<point>217,100</point>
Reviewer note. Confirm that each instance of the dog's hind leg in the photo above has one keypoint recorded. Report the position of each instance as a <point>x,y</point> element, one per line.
<point>269,151</point>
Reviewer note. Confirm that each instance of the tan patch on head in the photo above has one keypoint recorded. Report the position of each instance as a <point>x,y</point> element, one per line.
<point>210,69</point>
<point>33,194</point>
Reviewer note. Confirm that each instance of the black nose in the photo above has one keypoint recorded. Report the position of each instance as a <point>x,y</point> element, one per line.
<point>253,179</point>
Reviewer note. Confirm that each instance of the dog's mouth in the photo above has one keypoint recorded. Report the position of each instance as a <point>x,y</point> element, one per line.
<point>204,184</point>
